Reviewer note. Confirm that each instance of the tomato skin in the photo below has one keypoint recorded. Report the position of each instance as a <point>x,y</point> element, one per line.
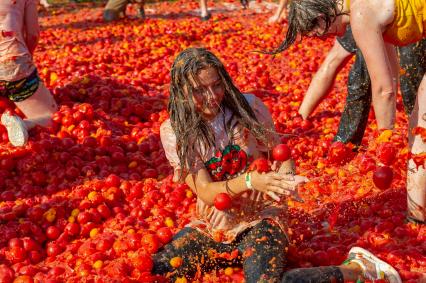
<point>143,262</point>
<point>261,165</point>
<point>366,164</point>
<point>386,153</point>
<point>339,153</point>
<point>281,152</point>
<point>223,201</point>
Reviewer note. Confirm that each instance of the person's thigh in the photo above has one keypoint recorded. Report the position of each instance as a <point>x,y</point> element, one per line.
<point>263,252</point>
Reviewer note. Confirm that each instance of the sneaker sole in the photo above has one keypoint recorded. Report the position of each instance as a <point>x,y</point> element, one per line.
<point>17,134</point>
<point>393,271</point>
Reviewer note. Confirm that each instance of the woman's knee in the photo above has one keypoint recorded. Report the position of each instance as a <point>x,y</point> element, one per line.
<point>40,105</point>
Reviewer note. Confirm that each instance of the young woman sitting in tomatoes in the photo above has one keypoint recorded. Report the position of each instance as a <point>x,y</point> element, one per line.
<point>213,134</point>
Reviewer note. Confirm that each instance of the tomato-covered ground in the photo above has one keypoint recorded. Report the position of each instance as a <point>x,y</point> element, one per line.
<point>90,199</point>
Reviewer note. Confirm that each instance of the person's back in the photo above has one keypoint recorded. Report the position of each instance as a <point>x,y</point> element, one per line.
<point>15,56</point>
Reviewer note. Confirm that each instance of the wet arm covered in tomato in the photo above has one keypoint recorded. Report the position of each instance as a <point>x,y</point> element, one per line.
<point>202,184</point>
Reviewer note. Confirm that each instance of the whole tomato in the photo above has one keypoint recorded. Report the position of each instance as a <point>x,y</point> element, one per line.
<point>53,232</point>
<point>382,177</point>
<point>223,201</point>
<point>281,152</point>
<point>164,235</point>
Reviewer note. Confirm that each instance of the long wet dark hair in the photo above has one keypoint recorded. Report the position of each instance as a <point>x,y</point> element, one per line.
<point>306,15</point>
<point>192,133</point>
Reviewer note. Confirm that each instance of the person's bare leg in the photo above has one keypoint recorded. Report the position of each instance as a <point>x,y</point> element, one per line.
<point>203,8</point>
<point>384,103</point>
<point>416,174</point>
<point>38,108</point>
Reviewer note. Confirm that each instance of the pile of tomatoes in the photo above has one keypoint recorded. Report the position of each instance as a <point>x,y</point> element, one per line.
<point>90,198</point>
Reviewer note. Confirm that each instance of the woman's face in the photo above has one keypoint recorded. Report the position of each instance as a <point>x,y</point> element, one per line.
<point>336,28</point>
<point>207,92</point>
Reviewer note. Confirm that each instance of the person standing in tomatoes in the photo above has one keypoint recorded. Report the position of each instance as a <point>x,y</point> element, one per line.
<point>19,80</point>
<point>213,133</point>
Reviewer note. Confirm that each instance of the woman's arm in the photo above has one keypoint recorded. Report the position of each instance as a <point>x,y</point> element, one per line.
<point>206,189</point>
<point>278,14</point>
<point>323,79</point>
<point>32,28</point>
<point>368,22</point>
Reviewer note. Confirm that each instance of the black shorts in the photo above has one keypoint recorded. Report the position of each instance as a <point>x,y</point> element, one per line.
<point>20,90</point>
<point>347,41</point>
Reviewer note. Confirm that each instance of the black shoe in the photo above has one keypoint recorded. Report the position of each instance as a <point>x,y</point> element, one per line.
<point>206,17</point>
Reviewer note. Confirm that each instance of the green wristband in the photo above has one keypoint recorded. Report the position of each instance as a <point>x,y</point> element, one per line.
<point>248,181</point>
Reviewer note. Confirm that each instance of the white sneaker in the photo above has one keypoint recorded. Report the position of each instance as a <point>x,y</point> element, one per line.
<point>373,268</point>
<point>16,129</point>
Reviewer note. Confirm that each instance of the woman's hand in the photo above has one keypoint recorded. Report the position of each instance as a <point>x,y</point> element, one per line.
<point>273,184</point>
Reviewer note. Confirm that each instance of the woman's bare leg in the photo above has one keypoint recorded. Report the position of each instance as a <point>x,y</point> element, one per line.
<point>203,8</point>
<point>38,108</point>
<point>416,175</point>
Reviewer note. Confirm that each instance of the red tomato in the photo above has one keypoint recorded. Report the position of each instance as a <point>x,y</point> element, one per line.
<point>29,244</point>
<point>261,165</point>
<point>366,164</point>
<point>143,262</point>
<point>104,244</point>
<point>112,181</point>
<point>339,153</point>
<point>15,242</point>
<point>281,152</point>
<point>6,274</point>
<point>386,152</point>
<point>17,254</point>
<point>53,232</point>
<point>84,217</point>
<point>382,177</point>
<point>223,201</point>
<point>164,235</point>
<point>53,249</point>
<point>104,211</point>
<point>150,243</point>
